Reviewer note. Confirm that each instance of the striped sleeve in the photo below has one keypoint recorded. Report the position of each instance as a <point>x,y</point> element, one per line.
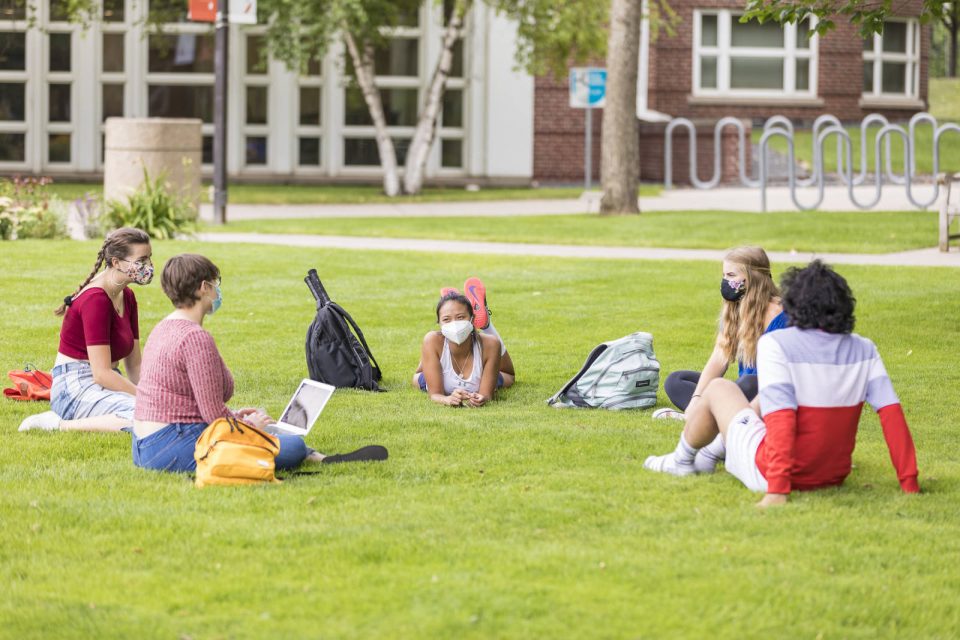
<point>777,391</point>
<point>880,391</point>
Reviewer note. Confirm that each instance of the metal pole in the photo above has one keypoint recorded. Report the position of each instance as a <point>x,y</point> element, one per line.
<point>221,44</point>
<point>588,150</point>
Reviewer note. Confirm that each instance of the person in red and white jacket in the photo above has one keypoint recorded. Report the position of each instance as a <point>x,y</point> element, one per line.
<point>814,378</point>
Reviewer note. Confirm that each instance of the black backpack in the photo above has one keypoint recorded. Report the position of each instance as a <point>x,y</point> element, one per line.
<point>334,355</point>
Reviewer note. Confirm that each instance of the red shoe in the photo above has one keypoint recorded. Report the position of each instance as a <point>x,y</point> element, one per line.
<point>445,291</point>
<point>477,295</point>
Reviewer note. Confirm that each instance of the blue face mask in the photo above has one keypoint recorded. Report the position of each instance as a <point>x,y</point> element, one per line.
<point>217,302</point>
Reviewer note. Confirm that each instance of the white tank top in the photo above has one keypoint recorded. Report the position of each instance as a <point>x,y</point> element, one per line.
<point>453,381</point>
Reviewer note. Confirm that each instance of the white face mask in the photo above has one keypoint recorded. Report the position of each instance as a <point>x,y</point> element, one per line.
<point>457,331</point>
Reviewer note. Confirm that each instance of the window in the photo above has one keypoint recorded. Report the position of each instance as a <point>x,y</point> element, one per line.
<point>256,120</point>
<point>891,61</point>
<point>309,126</point>
<point>113,68</point>
<point>752,59</point>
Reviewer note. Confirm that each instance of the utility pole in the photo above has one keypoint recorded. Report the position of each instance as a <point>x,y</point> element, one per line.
<point>220,58</point>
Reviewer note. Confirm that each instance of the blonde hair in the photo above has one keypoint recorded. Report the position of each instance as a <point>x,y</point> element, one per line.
<point>742,322</point>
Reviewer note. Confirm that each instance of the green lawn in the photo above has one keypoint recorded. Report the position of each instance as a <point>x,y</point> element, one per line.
<point>511,521</point>
<point>945,98</point>
<point>858,232</point>
<point>803,147</point>
<point>351,194</point>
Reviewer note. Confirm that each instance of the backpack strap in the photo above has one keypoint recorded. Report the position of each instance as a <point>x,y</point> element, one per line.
<point>343,312</point>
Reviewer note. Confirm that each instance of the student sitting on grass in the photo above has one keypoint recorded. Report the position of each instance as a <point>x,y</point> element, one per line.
<point>814,377</point>
<point>184,385</point>
<point>751,308</point>
<point>464,362</point>
<point>100,328</point>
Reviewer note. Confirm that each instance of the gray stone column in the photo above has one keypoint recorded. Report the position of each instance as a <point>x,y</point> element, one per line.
<point>169,147</point>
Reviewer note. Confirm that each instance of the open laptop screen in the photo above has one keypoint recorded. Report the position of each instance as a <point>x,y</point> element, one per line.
<point>305,405</point>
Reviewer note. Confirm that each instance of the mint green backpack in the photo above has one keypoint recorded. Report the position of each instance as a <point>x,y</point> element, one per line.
<point>622,374</point>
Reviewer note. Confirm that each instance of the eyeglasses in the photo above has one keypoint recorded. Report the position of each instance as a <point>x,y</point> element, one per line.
<point>141,261</point>
<point>215,282</point>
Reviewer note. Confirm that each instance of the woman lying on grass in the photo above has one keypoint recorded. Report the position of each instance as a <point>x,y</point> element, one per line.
<point>100,328</point>
<point>751,308</point>
<point>185,384</point>
<point>466,361</point>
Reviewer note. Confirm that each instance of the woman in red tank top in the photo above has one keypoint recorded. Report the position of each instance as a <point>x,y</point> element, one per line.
<point>100,329</point>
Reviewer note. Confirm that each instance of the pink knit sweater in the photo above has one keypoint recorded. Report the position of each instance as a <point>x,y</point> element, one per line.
<point>182,378</point>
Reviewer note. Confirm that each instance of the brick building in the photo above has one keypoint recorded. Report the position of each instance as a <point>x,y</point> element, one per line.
<point>715,66</point>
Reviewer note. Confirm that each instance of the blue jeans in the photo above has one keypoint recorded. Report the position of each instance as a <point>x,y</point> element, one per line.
<point>171,448</point>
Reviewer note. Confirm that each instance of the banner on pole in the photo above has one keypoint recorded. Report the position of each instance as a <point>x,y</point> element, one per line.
<point>202,10</point>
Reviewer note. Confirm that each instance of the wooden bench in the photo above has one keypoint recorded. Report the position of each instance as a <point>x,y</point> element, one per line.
<point>949,209</point>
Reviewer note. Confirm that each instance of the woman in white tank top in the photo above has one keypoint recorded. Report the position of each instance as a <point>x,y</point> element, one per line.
<point>459,365</point>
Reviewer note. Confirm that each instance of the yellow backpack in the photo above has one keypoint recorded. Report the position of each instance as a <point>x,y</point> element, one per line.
<point>231,452</point>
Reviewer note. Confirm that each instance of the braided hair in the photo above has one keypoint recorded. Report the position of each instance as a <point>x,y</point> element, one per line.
<point>116,245</point>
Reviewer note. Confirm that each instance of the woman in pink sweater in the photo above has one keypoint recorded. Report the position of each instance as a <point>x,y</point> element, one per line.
<point>185,385</point>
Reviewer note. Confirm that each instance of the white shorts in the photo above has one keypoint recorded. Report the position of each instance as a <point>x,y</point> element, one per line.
<point>744,434</point>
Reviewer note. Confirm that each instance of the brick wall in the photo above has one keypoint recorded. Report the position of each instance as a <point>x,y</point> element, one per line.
<point>559,130</point>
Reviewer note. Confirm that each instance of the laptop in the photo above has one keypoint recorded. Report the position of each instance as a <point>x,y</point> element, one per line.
<point>303,409</point>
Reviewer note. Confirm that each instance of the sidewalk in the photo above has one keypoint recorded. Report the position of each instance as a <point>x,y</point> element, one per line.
<point>919,258</point>
<point>721,199</point>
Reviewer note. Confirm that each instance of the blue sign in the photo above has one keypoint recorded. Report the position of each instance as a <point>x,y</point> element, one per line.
<point>588,87</point>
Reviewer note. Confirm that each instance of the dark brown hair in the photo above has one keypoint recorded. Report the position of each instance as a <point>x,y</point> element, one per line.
<point>183,275</point>
<point>117,245</point>
<point>455,297</point>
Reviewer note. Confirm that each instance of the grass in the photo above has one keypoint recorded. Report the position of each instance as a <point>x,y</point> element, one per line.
<point>945,98</point>
<point>351,194</point>
<point>856,232</point>
<point>512,521</point>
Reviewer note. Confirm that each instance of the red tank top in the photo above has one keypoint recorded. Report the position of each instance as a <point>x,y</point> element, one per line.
<point>92,320</point>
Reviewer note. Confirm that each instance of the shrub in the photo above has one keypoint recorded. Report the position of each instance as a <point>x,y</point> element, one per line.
<point>28,210</point>
<point>152,208</point>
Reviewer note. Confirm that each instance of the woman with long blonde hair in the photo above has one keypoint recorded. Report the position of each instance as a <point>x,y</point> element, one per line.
<point>751,307</point>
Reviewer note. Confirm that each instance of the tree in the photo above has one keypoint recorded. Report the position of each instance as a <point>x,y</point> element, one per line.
<point>620,146</point>
<point>951,20</point>
<point>869,14</point>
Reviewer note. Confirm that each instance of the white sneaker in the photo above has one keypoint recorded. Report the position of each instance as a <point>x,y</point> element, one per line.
<point>668,414</point>
<point>48,421</point>
<point>668,464</point>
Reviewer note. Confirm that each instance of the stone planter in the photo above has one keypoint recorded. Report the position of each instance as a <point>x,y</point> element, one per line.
<point>171,147</point>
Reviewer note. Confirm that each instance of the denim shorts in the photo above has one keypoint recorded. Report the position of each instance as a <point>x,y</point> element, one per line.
<point>74,395</point>
<point>171,448</point>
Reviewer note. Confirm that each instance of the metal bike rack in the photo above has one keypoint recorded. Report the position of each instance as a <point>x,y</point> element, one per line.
<point>824,127</point>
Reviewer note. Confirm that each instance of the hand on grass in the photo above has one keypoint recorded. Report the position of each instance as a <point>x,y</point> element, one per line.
<point>772,500</point>
<point>478,399</point>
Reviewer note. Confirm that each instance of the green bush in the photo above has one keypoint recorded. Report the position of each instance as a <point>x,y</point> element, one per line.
<point>152,208</point>
<point>28,210</point>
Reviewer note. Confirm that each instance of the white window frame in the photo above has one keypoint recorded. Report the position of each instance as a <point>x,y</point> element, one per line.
<point>456,133</point>
<point>47,78</point>
<point>148,78</point>
<point>28,125</point>
<point>315,130</point>
<point>724,52</point>
<point>911,58</point>
<point>255,80</point>
<point>130,38</point>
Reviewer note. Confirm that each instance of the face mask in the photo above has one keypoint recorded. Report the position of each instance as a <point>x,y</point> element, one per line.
<point>732,290</point>
<point>217,302</point>
<point>457,331</point>
<point>139,272</point>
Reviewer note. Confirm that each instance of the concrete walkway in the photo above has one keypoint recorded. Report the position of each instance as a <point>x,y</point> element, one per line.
<point>919,258</point>
<point>723,199</point>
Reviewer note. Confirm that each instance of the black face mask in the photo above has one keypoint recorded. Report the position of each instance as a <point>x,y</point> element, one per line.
<point>730,292</point>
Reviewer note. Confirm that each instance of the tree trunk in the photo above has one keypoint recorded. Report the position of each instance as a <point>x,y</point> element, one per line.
<point>363,69</point>
<point>620,145</point>
<point>426,130</point>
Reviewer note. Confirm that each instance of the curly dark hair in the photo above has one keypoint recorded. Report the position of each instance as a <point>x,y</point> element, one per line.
<point>456,297</point>
<point>817,297</point>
